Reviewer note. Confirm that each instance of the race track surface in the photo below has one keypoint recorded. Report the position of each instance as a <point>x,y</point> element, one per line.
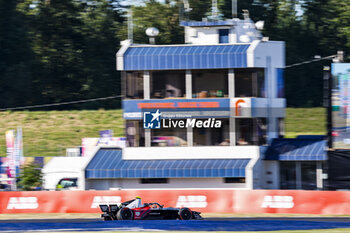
<point>212,224</point>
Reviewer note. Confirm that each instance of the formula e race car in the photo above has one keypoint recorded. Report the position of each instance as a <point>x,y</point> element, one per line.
<point>147,211</point>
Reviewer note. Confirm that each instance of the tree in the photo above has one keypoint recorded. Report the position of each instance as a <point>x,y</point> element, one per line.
<point>165,17</point>
<point>75,44</point>
<point>257,9</point>
<point>16,56</point>
<point>30,177</point>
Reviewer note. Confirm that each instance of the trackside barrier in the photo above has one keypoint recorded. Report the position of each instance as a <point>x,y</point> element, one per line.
<point>209,201</point>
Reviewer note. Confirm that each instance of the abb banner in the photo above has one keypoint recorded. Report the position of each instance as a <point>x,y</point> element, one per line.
<point>209,201</point>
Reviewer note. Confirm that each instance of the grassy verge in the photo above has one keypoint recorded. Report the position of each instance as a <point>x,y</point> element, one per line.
<point>311,121</point>
<point>49,133</point>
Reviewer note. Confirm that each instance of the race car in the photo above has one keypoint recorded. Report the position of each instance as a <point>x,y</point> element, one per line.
<point>134,210</point>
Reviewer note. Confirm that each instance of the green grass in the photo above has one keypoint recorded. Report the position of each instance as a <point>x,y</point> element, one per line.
<point>49,133</point>
<point>305,121</point>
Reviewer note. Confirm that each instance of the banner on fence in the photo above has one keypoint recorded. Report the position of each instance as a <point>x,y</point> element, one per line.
<point>207,201</point>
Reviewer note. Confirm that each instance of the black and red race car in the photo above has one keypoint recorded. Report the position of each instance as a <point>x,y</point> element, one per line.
<point>148,211</point>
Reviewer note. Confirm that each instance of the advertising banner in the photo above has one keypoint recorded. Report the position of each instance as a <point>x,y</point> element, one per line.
<point>178,108</point>
<point>341,105</point>
<point>10,151</point>
<point>206,201</point>
<point>19,148</point>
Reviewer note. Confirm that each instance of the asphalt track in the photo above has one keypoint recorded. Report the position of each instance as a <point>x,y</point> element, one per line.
<point>210,224</point>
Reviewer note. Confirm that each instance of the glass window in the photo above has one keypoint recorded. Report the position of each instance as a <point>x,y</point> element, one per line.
<point>308,175</point>
<point>288,175</point>
<point>281,128</point>
<point>154,181</point>
<point>167,84</point>
<point>260,130</point>
<point>135,134</point>
<point>212,136</point>
<point>224,35</point>
<point>251,131</point>
<point>169,137</point>
<point>249,83</point>
<point>133,84</point>
<point>209,83</point>
<point>234,180</point>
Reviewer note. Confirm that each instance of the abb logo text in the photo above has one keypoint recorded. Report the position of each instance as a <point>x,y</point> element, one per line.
<point>286,202</point>
<point>22,203</point>
<point>107,200</point>
<point>192,201</point>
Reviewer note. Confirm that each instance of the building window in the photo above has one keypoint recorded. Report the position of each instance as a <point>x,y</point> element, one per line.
<point>281,127</point>
<point>135,134</point>
<point>308,175</point>
<point>288,175</point>
<point>169,137</point>
<point>209,83</point>
<point>231,180</point>
<point>224,36</point>
<point>306,178</point>
<point>212,136</point>
<point>251,131</point>
<point>167,84</point>
<point>249,83</point>
<point>154,181</point>
<point>133,85</point>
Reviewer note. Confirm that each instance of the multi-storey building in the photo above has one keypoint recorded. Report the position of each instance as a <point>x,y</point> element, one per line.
<point>228,72</point>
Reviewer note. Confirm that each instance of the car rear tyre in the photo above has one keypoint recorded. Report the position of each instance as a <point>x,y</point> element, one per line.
<point>185,214</point>
<point>125,214</point>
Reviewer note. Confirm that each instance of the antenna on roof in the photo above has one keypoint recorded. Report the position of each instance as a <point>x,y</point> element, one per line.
<point>187,6</point>
<point>130,26</point>
<point>214,9</point>
<point>184,10</point>
<point>234,8</point>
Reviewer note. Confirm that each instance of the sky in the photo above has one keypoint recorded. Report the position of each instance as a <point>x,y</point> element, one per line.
<point>340,68</point>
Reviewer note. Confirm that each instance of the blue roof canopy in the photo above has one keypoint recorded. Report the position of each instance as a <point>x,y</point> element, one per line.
<point>206,24</point>
<point>185,57</point>
<point>108,163</point>
<point>296,149</point>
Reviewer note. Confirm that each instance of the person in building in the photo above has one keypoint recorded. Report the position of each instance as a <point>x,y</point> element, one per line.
<point>242,141</point>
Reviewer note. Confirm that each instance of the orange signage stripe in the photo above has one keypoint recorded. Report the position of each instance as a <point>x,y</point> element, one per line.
<point>156,105</point>
<point>213,104</point>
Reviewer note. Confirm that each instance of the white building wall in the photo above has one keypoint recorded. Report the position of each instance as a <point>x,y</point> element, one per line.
<point>271,176</point>
<point>273,49</point>
<point>174,183</point>
<point>206,35</point>
<point>198,152</point>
